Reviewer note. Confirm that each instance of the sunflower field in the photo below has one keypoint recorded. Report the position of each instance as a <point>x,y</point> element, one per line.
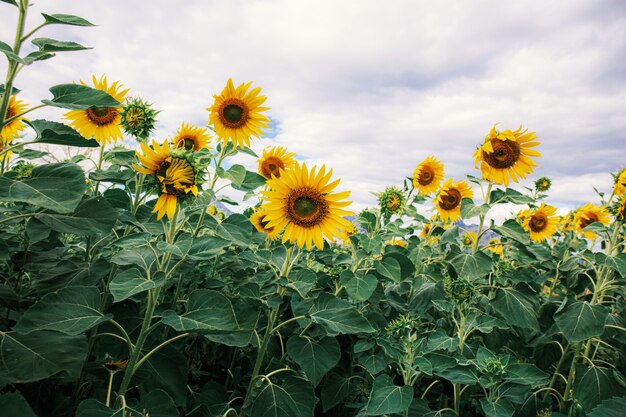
<point>128,286</point>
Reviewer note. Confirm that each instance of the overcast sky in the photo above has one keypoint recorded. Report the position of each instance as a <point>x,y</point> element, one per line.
<point>367,87</point>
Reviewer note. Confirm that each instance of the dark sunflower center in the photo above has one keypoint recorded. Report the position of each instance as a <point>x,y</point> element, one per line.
<point>306,207</point>
<point>451,199</point>
<point>505,154</point>
<point>272,166</point>
<point>426,177</point>
<point>101,115</point>
<point>586,222</point>
<point>188,144</point>
<point>10,112</point>
<point>233,113</point>
<point>537,223</point>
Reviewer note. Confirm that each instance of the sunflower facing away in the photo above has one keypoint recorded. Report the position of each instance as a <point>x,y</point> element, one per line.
<point>191,138</point>
<point>619,189</point>
<point>506,154</point>
<point>274,160</point>
<point>101,123</point>
<point>302,203</point>
<point>588,214</point>
<point>541,223</point>
<point>448,201</point>
<point>174,176</point>
<point>468,238</point>
<point>260,224</point>
<point>428,176</point>
<point>12,129</point>
<point>236,114</point>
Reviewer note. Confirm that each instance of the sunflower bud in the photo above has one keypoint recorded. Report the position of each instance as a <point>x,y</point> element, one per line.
<point>543,184</point>
<point>460,291</point>
<point>138,118</point>
<point>494,367</point>
<point>391,202</point>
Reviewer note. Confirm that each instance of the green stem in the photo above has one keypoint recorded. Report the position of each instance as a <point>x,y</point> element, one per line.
<point>12,67</point>
<point>481,221</point>
<point>162,345</point>
<point>17,145</point>
<point>570,376</point>
<point>99,167</point>
<point>218,164</point>
<point>17,116</point>
<point>20,216</point>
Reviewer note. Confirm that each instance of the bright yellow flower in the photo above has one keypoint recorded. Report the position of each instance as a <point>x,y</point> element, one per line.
<point>588,214</point>
<point>236,114</point>
<point>620,184</point>
<point>301,203</point>
<point>495,246</point>
<point>468,238</point>
<point>345,234</point>
<point>428,175</point>
<point>506,154</point>
<point>397,242</point>
<point>12,129</point>
<point>273,160</point>
<point>101,123</point>
<point>212,210</point>
<point>621,209</point>
<point>448,201</point>
<point>260,223</point>
<point>191,137</point>
<point>541,223</point>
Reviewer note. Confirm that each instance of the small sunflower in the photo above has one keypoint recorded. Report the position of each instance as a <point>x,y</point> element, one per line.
<point>301,203</point>
<point>448,201</point>
<point>260,224</point>
<point>541,223</point>
<point>426,236</point>
<point>274,160</point>
<point>391,202</point>
<point>191,138</point>
<point>101,123</point>
<point>236,114</point>
<point>12,129</point>
<point>495,246</point>
<point>174,174</point>
<point>212,210</point>
<point>619,189</point>
<point>468,238</point>
<point>588,214</point>
<point>428,176</point>
<point>397,242</point>
<point>138,118</point>
<point>346,233</point>
<point>621,210</point>
<point>522,216</point>
<point>506,154</point>
<point>566,223</point>
<point>543,184</point>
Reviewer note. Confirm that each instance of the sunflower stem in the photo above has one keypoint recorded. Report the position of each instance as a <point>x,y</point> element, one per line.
<point>218,164</point>
<point>481,220</point>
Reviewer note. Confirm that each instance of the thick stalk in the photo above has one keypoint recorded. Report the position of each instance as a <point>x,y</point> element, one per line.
<point>570,376</point>
<point>12,67</point>
<point>218,164</point>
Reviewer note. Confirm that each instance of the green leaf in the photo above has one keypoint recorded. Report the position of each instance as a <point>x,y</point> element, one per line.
<point>113,174</point>
<point>65,19</point>
<point>59,134</point>
<point>141,257</point>
<point>13,2</point>
<point>303,282</point>
<point>58,187</point>
<point>470,210</point>
<point>13,404</point>
<point>513,230</point>
<point>251,181</point>
<point>131,282</point>
<point>594,385</point>
<point>581,321</point>
<point>337,316</point>
<point>509,195</point>
<point>387,398</point>
<point>617,263</point>
<point>166,369</point>
<point>293,397</point>
<point>358,287</point>
<point>335,390</point>
<point>236,174</point>
<point>315,357</point>
<point>93,215</point>
<point>458,374</point>
<point>79,97</point>
<point>70,310</point>
<point>37,56</point>
<point>39,355</point>
<point>516,308</point>
<point>8,51</point>
<point>30,153</point>
<point>206,247</point>
<point>53,45</point>
<point>499,408</point>
<point>613,407</point>
<point>155,404</point>
<point>389,267</point>
<point>526,374</point>
<point>468,265</point>
<point>441,341</point>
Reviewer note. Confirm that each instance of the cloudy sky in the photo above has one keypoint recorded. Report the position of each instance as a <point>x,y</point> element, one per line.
<point>368,87</point>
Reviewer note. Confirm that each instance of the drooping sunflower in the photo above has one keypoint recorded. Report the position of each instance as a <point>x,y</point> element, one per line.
<point>428,176</point>
<point>101,123</point>
<point>506,154</point>
<point>391,202</point>
<point>274,160</point>
<point>588,214</point>
<point>174,174</point>
<point>468,238</point>
<point>619,188</point>
<point>302,203</point>
<point>541,223</point>
<point>12,129</point>
<point>260,224</point>
<point>448,200</point>
<point>191,138</point>
<point>236,114</point>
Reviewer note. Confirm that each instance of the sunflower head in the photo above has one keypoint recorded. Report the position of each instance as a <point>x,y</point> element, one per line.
<point>260,224</point>
<point>506,154</point>
<point>468,238</point>
<point>212,210</point>
<point>459,291</point>
<point>274,160</point>
<point>236,114</point>
<point>191,138</point>
<point>302,202</point>
<point>588,214</point>
<point>397,242</point>
<point>541,223</point>
<point>543,184</point>
<point>346,233</point>
<point>101,123</point>
<point>448,200</point>
<point>428,175</point>
<point>138,118</point>
<point>619,187</point>
<point>12,129</point>
<point>620,213</point>
<point>391,202</point>
<point>496,246</point>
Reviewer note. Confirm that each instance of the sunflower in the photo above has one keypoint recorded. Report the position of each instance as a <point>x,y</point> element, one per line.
<point>428,175</point>
<point>236,114</point>
<point>506,154</point>
<point>138,118</point>
<point>541,223</point>
<point>621,210</point>
<point>496,246</point>
<point>391,202</point>
<point>12,129</point>
<point>425,233</point>
<point>448,201</point>
<point>543,184</point>
<point>260,224</point>
<point>191,137</point>
<point>619,189</point>
<point>345,234</point>
<point>397,242</point>
<point>101,123</point>
<point>273,160</point>
<point>212,210</point>
<point>588,214</point>
<point>300,201</point>
<point>174,175</point>
<point>468,238</point>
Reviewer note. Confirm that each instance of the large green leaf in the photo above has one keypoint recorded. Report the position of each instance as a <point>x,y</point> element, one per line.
<point>389,267</point>
<point>13,2</point>
<point>359,286</point>
<point>613,407</point>
<point>526,374</point>
<point>8,51</point>
<point>58,187</point>
<point>53,45</point>
<point>516,308</point>
<point>59,134</point>
<point>70,310</point>
<point>315,357</point>
<point>13,404</point>
<point>337,316</point>
<point>499,408</point>
<point>39,355</point>
<point>65,19</point>
<point>513,230</point>
<point>206,247</point>
<point>154,404</point>
<point>581,321</point>
<point>387,398</point>
<point>469,265</point>
<point>335,390</point>
<point>167,370</point>
<point>79,97</point>
<point>595,384</point>
<point>294,397</point>
<point>93,215</point>
<point>132,281</point>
